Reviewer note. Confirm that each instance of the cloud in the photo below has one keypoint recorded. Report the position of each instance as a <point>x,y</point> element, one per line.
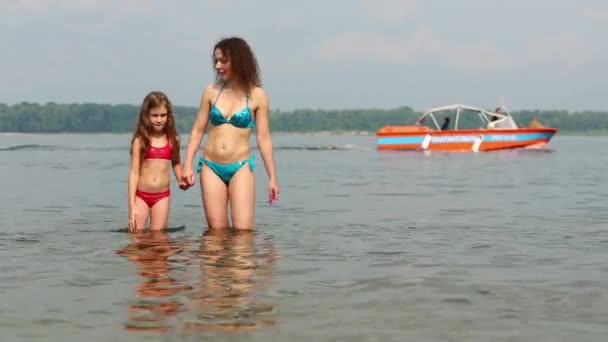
<point>48,4</point>
<point>116,6</point>
<point>385,49</point>
<point>388,11</point>
<point>596,14</point>
<point>481,56</point>
<point>374,47</point>
<point>564,48</point>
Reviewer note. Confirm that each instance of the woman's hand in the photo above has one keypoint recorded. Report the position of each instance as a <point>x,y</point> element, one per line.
<point>188,176</point>
<point>273,191</point>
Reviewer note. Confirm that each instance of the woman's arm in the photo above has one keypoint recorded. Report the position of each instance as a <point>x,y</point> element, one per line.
<point>198,130</point>
<point>262,120</point>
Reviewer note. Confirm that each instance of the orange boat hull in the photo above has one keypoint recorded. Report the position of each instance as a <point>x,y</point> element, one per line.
<point>423,138</point>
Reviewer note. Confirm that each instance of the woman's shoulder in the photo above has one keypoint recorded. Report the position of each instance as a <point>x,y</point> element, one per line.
<point>213,86</point>
<point>211,89</point>
<point>259,93</point>
<point>259,97</point>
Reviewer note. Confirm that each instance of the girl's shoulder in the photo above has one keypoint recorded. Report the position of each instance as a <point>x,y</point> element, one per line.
<point>175,140</point>
<point>136,140</point>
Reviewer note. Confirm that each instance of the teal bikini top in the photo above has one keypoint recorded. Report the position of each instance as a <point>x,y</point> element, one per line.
<point>241,119</point>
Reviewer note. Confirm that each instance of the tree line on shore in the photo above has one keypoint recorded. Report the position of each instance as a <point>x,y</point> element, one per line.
<point>30,117</point>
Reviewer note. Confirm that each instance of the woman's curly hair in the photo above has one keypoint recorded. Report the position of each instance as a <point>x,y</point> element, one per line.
<point>243,62</point>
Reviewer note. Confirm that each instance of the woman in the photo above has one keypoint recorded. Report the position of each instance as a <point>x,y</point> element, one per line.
<point>232,107</point>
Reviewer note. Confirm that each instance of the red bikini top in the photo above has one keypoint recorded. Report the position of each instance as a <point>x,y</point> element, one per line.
<point>165,152</point>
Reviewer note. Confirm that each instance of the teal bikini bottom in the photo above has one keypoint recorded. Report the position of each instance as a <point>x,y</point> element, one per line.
<point>225,171</point>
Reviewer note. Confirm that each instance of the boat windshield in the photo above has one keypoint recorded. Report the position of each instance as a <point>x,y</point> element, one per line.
<point>454,117</point>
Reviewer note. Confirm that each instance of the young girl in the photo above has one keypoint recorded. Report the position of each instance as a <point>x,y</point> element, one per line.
<point>155,150</point>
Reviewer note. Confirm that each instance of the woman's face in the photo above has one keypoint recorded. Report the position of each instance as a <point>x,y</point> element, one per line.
<point>222,65</point>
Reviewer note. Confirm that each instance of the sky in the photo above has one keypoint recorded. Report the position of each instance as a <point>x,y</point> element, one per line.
<point>333,54</point>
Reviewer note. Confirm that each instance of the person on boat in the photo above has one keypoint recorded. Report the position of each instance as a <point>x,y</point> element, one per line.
<point>498,110</point>
<point>446,123</point>
<point>534,123</point>
<point>232,107</point>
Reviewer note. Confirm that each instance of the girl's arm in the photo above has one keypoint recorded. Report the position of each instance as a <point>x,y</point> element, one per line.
<point>134,173</point>
<point>196,135</point>
<point>177,167</point>
<point>263,134</point>
<point>178,170</point>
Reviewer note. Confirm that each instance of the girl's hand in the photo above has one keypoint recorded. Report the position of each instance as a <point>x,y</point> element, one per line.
<point>182,184</point>
<point>273,191</point>
<point>132,222</point>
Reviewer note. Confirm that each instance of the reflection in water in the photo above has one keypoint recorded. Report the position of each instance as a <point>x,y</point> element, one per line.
<point>156,293</point>
<point>229,295</point>
<point>234,279</point>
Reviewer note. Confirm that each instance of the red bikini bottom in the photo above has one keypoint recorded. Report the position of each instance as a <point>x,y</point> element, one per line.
<point>152,197</point>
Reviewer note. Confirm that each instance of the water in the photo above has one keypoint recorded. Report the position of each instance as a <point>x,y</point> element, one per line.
<point>363,246</point>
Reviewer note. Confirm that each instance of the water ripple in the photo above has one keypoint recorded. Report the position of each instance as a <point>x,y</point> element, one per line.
<point>363,246</point>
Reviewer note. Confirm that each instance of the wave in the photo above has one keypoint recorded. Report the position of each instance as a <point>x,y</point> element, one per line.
<point>51,148</point>
<point>28,147</point>
<point>348,147</point>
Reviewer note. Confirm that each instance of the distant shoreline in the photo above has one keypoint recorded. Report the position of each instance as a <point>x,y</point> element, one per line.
<point>104,119</point>
<point>304,133</point>
<point>281,133</point>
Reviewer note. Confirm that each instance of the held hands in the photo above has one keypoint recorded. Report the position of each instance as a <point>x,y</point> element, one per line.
<point>187,178</point>
<point>182,184</point>
<point>273,191</point>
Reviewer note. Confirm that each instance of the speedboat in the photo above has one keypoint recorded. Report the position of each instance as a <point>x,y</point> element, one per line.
<point>464,128</point>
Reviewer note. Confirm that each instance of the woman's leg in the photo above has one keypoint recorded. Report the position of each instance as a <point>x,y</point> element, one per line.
<point>215,198</point>
<point>242,198</point>
<point>159,214</point>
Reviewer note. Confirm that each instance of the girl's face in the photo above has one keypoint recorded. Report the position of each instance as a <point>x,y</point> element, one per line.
<point>158,118</point>
<point>222,65</point>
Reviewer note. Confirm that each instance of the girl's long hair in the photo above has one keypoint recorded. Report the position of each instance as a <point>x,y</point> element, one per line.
<point>143,130</point>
